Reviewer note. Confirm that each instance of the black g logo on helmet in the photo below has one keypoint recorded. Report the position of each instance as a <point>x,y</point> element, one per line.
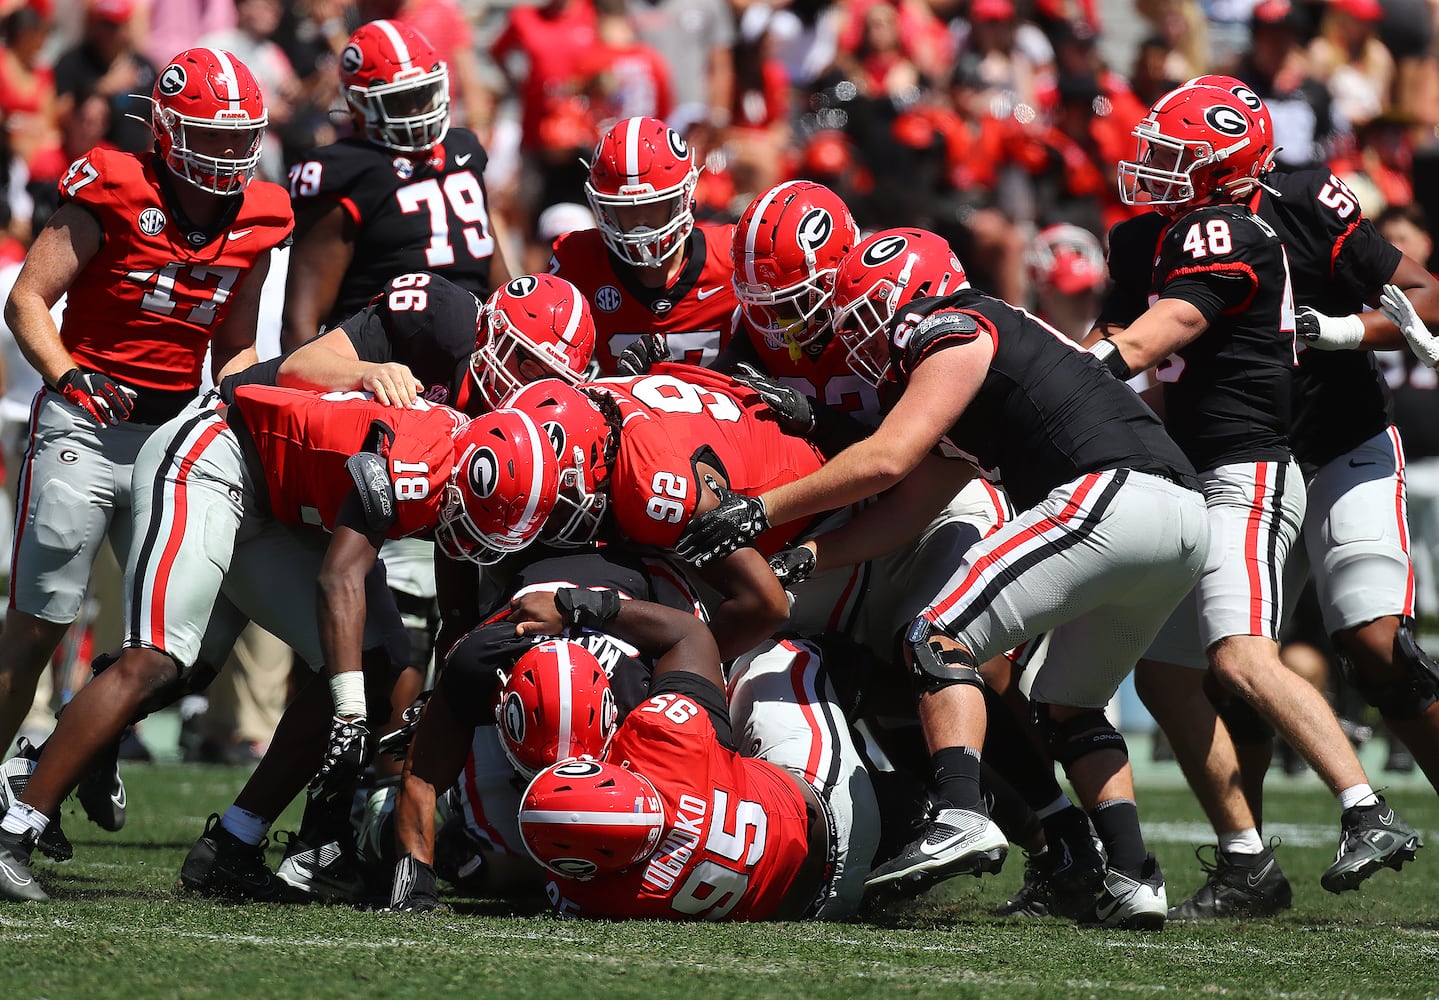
<point>484,472</point>
<point>512,718</point>
<point>1226,120</point>
<point>351,59</point>
<point>882,250</point>
<point>555,431</point>
<point>814,229</point>
<point>522,286</point>
<point>577,768</point>
<point>678,146</point>
<point>172,81</point>
<point>1250,98</point>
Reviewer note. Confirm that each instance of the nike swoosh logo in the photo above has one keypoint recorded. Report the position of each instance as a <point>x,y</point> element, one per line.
<point>236,234</point>
<point>1355,465</point>
<point>13,878</point>
<point>1387,818</point>
<point>460,161</point>
<point>1106,910</point>
<point>705,293</point>
<point>118,798</point>
<point>1254,878</point>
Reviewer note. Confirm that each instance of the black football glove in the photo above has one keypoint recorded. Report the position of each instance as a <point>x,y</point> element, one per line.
<point>346,754</point>
<point>414,890</point>
<point>791,408</point>
<point>646,352</point>
<point>735,523</point>
<point>107,401</point>
<point>793,565</point>
<point>396,743</point>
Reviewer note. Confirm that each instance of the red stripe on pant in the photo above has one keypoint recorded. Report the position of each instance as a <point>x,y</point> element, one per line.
<point>1252,557</point>
<point>477,809</point>
<point>1401,518</point>
<point>177,533</point>
<point>27,473</point>
<point>802,698</point>
<point>998,503</point>
<point>1036,530</point>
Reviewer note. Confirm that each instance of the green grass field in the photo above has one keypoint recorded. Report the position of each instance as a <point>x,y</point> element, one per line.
<point>119,928</point>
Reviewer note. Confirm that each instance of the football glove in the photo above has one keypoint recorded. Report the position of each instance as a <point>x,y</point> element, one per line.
<point>1397,307</point>
<point>793,565</point>
<point>414,889</point>
<point>790,407</point>
<point>107,401</point>
<point>346,753</point>
<point>646,352</point>
<point>735,523</point>
<point>1328,333</point>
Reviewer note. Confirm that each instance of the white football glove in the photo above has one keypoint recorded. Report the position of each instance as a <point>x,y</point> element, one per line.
<point>1328,333</point>
<point>1397,307</point>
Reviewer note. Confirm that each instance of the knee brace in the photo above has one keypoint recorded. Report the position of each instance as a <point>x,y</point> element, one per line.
<point>1246,726</point>
<point>935,667</point>
<point>1084,734</point>
<point>1415,689</point>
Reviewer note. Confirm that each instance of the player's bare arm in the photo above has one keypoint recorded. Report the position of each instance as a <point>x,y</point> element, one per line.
<point>1167,326</point>
<point>66,244</point>
<point>324,246</point>
<point>341,588</point>
<point>938,392</point>
<point>1421,289</point>
<point>896,517</point>
<point>329,363</point>
<point>233,347</point>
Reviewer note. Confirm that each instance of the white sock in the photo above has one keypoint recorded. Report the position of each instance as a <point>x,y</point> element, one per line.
<point>1241,842</point>
<point>1357,795</point>
<point>246,826</point>
<point>1058,805</point>
<point>23,818</point>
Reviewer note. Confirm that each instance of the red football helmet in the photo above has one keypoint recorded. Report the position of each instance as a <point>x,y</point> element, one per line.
<point>208,117</point>
<point>503,486</point>
<point>1198,145</point>
<point>582,818</point>
<point>581,438</point>
<point>1251,100</point>
<point>786,248</point>
<point>536,318</point>
<point>397,87</point>
<point>1066,258</point>
<point>885,271</point>
<point>555,704</point>
<point>641,188</point>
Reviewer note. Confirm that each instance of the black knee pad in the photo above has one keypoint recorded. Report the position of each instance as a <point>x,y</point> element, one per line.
<point>1084,734</point>
<point>934,667</point>
<point>1246,726</point>
<point>470,678</point>
<point>1412,693</point>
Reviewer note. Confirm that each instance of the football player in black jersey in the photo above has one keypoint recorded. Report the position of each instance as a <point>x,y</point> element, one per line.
<point>1111,535</point>
<point>1221,331</point>
<point>406,193</point>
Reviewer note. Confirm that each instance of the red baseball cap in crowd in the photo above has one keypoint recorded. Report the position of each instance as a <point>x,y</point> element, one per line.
<point>1364,10</point>
<point>114,11</point>
<point>991,10</point>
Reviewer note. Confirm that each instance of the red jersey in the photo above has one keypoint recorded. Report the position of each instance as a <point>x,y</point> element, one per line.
<point>302,440</point>
<point>820,371</point>
<point>736,831</point>
<point>678,416</point>
<point>144,308</point>
<point>693,313</point>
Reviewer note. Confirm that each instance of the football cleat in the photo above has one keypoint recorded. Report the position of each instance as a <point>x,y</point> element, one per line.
<point>1036,896</point>
<point>325,872</point>
<point>1075,858</point>
<point>1370,838</point>
<point>102,791</point>
<point>223,866</point>
<point>1238,885</point>
<point>955,842</point>
<point>14,776</point>
<point>1129,903</point>
<point>17,884</point>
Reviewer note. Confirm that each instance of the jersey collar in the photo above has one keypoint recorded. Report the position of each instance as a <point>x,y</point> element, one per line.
<point>689,276</point>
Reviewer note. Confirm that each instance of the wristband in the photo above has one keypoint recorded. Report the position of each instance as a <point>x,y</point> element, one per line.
<point>1107,351</point>
<point>348,691</point>
<point>592,609</point>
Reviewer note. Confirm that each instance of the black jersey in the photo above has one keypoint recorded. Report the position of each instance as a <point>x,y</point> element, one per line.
<point>425,322</point>
<point>410,213</point>
<point>1338,261</point>
<point>1046,412</point>
<point>1227,393</point>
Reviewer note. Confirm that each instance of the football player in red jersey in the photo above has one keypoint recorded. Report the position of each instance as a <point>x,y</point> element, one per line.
<point>229,493</point>
<point>649,268</point>
<point>730,836</point>
<point>406,193</point>
<point>163,256</point>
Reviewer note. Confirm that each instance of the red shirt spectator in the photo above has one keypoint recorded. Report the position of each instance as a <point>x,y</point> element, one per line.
<point>550,38</point>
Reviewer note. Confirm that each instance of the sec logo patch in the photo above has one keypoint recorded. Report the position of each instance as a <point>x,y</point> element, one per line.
<point>607,299</point>
<point>152,220</point>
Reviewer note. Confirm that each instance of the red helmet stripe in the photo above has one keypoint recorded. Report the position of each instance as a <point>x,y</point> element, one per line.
<point>227,72</point>
<point>632,150</point>
<point>753,233</point>
<point>566,736</point>
<point>538,440</point>
<point>402,51</point>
